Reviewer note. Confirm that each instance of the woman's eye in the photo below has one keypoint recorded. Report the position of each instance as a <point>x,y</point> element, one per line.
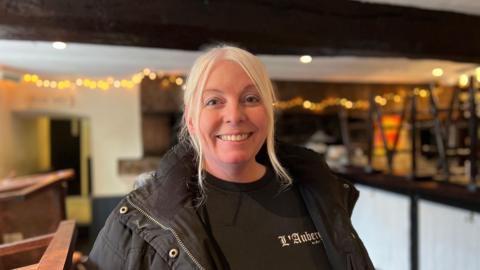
<point>252,99</point>
<point>212,102</point>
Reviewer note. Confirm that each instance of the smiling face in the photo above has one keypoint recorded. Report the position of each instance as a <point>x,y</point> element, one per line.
<point>233,121</point>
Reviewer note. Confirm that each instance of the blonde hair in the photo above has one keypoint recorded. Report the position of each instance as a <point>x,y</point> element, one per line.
<point>195,85</point>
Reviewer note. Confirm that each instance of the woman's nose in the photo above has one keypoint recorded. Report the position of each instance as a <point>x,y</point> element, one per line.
<point>234,113</point>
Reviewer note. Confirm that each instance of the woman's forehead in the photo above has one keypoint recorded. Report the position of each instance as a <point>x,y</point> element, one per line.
<point>225,70</point>
<point>217,90</point>
<point>227,74</point>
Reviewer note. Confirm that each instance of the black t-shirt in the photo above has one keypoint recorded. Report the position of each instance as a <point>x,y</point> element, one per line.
<point>258,227</point>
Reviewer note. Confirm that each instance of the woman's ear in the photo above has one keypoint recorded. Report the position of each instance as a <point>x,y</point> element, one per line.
<point>188,121</point>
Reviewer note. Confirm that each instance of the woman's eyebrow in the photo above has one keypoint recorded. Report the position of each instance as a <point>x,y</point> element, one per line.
<point>250,87</point>
<point>215,90</point>
<point>212,90</point>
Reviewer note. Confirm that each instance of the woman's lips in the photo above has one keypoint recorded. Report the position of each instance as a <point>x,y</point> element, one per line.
<point>238,137</point>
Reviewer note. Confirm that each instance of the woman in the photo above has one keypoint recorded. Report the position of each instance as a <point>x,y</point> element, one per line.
<point>230,197</point>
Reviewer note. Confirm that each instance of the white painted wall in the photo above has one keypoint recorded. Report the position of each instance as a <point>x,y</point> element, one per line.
<point>382,220</point>
<point>115,122</point>
<point>449,237</point>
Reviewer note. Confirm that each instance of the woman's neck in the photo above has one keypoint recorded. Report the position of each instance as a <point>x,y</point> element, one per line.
<point>237,173</point>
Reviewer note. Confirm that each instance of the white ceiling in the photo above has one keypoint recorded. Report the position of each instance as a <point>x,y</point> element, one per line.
<point>471,7</point>
<point>80,60</point>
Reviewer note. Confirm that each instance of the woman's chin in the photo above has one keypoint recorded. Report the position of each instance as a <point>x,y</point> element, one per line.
<point>236,159</point>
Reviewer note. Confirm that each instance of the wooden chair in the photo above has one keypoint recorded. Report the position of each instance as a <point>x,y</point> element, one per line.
<point>51,251</point>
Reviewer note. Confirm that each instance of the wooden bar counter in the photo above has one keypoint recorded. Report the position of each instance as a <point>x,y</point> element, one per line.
<point>32,205</point>
<point>442,192</point>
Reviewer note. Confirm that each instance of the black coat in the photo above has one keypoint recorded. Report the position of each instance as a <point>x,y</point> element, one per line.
<point>156,226</point>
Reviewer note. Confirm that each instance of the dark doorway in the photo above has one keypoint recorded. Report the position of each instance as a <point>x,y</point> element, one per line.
<point>65,150</point>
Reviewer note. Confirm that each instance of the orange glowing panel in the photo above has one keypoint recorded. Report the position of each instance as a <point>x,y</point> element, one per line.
<point>390,125</point>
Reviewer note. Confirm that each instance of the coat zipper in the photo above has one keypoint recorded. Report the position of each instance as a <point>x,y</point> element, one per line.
<point>195,261</point>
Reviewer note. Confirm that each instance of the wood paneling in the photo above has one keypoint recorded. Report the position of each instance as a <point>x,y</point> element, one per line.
<point>263,26</point>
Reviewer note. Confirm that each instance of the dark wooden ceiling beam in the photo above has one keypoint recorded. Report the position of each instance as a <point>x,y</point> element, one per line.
<point>328,28</point>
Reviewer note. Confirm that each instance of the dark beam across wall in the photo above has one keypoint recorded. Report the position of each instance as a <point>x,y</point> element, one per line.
<point>324,27</point>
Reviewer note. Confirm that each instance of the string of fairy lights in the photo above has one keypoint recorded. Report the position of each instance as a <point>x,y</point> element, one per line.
<point>106,83</point>
<point>343,102</point>
<point>362,104</point>
<point>174,79</point>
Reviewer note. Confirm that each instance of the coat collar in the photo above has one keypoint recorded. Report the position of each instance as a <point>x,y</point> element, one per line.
<point>168,199</point>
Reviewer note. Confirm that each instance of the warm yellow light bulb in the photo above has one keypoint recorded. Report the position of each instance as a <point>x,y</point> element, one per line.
<point>423,93</point>
<point>397,98</point>
<point>53,84</point>
<point>463,80</point>
<point>348,104</point>
<point>103,85</point>
<point>34,78</point>
<point>179,81</point>
<point>152,76</point>
<point>146,71</point>
<point>437,72</point>
<point>27,78</point>
<point>307,104</point>
<point>79,82</point>
<point>116,84</point>
<point>137,78</point>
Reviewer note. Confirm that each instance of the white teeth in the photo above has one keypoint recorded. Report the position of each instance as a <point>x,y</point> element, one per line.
<point>234,138</point>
